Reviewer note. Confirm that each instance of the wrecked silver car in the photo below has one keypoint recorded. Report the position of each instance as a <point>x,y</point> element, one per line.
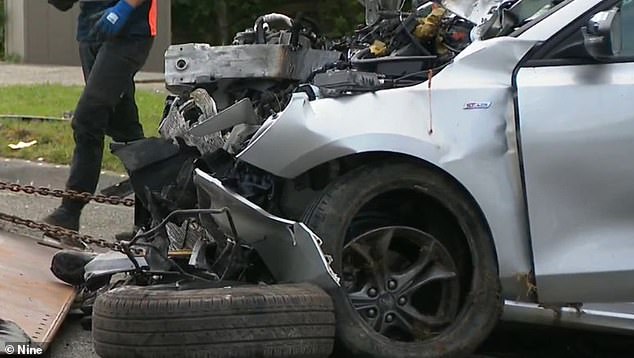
<point>438,166</point>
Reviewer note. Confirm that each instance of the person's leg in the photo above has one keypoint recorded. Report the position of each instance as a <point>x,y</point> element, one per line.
<point>115,65</point>
<point>88,55</point>
<point>67,215</point>
<point>88,52</point>
<point>124,125</point>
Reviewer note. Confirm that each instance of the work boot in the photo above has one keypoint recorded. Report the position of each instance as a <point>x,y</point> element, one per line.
<point>64,217</point>
<point>127,235</point>
<point>124,236</point>
<point>68,266</point>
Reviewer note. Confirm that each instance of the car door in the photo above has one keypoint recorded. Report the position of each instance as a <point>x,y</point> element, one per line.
<point>576,129</point>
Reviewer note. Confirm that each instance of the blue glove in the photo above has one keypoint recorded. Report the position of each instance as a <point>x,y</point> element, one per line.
<point>113,19</point>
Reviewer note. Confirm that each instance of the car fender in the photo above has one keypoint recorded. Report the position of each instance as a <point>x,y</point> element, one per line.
<point>462,121</point>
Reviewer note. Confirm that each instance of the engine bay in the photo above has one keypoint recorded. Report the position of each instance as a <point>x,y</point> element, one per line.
<point>398,46</point>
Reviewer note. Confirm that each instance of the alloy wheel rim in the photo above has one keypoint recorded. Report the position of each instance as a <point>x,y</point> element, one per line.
<point>402,281</point>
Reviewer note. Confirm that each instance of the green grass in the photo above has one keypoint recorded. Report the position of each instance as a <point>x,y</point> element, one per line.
<point>55,138</point>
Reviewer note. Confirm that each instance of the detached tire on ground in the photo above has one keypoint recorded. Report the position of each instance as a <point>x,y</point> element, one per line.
<point>244,321</point>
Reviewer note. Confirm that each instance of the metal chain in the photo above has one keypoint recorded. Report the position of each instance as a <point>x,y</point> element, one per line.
<point>60,233</point>
<point>65,194</point>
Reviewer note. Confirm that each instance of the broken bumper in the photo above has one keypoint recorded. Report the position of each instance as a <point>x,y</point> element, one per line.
<point>289,249</point>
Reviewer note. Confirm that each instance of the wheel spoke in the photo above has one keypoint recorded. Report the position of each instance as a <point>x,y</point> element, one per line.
<point>386,278</point>
<point>383,244</point>
<point>405,278</point>
<point>381,250</point>
<point>403,323</point>
<point>376,268</point>
<point>362,251</point>
<point>378,324</point>
<point>361,301</point>
<point>433,274</point>
<point>411,314</point>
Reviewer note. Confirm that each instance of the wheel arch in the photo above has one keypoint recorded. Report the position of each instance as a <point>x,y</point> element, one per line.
<point>487,172</point>
<point>352,161</point>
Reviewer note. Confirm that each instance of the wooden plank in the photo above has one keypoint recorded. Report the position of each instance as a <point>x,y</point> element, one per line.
<point>30,295</point>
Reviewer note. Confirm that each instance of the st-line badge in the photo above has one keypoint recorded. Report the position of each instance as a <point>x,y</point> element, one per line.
<point>477,105</point>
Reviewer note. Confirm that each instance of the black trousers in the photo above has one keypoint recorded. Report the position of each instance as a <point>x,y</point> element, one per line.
<point>106,106</point>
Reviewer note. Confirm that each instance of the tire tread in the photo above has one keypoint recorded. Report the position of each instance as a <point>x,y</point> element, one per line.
<point>246,321</point>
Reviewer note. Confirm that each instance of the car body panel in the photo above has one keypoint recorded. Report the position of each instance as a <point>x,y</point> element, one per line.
<point>579,170</point>
<point>573,228</point>
<point>462,121</point>
<point>610,318</point>
<point>289,249</point>
<point>474,11</point>
<point>469,133</point>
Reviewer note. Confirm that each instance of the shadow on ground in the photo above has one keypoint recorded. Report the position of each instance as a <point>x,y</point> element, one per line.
<point>529,341</point>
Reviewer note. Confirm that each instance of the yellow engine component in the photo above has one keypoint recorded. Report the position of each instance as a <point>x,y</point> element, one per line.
<point>428,27</point>
<point>378,48</point>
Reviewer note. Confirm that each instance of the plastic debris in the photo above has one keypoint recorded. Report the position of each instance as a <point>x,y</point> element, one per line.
<point>22,145</point>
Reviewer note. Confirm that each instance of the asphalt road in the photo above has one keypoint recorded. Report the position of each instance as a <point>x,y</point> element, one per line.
<point>508,341</point>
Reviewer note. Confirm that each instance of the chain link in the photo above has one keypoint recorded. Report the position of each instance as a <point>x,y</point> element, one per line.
<point>60,233</point>
<point>65,194</point>
<point>56,232</point>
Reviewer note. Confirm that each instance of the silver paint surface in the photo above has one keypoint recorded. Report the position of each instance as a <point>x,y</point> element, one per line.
<point>477,147</point>
<point>289,249</point>
<point>605,318</point>
<point>575,140</point>
<point>577,125</point>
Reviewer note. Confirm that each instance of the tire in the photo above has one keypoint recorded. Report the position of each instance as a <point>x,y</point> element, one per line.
<point>247,321</point>
<point>334,218</point>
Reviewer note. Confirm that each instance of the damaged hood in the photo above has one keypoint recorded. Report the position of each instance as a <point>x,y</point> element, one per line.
<point>476,11</point>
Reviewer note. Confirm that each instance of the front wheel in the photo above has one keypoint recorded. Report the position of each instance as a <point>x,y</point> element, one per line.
<point>417,263</point>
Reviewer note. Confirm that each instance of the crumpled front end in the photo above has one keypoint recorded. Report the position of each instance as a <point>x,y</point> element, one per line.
<point>289,249</point>
<point>475,11</point>
<point>460,122</point>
